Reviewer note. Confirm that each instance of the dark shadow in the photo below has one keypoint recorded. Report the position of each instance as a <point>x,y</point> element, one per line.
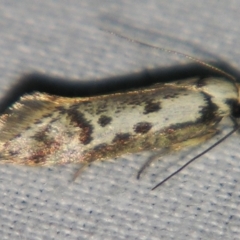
<point>69,88</point>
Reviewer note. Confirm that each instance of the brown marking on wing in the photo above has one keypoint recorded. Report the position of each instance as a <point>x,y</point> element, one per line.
<point>121,138</point>
<point>47,145</point>
<point>80,121</point>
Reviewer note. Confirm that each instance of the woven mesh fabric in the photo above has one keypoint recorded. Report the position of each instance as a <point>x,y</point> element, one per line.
<point>107,201</point>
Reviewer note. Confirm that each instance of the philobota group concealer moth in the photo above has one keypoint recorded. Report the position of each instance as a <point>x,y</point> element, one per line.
<point>42,129</point>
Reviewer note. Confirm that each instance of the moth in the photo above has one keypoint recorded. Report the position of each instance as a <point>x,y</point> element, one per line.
<point>42,129</point>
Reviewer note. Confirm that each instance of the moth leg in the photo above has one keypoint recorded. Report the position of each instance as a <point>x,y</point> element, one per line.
<point>151,159</point>
<point>176,147</point>
<point>79,171</point>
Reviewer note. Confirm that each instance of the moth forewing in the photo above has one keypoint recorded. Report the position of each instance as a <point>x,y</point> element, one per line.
<point>42,129</point>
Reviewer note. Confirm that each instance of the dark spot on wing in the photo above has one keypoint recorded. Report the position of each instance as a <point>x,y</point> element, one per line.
<point>151,107</point>
<point>54,120</point>
<point>121,138</point>
<point>102,107</point>
<point>38,121</point>
<point>171,95</point>
<point>135,100</point>
<point>104,120</point>
<point>142,127</point>
<point>43,137</point>
<point>48,115</point>
<point>118,111</point>
<point>61,109</point>
<point>100,147</point>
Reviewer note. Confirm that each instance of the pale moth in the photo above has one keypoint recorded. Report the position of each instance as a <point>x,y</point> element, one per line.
<point>42,129</point>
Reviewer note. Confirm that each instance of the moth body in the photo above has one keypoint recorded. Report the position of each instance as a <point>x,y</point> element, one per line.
<point>42,129</point>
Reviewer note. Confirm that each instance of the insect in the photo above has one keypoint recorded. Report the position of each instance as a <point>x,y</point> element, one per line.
<point>42,129</point>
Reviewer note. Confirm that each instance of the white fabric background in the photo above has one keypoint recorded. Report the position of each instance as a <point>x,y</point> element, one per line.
<point>63,38</point>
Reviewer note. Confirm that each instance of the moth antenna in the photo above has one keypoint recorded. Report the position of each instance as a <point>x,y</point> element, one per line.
<point>199,155</point>
<point>173,52</point>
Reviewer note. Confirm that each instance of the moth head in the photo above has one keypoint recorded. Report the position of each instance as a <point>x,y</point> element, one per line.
<point>235,104</point>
